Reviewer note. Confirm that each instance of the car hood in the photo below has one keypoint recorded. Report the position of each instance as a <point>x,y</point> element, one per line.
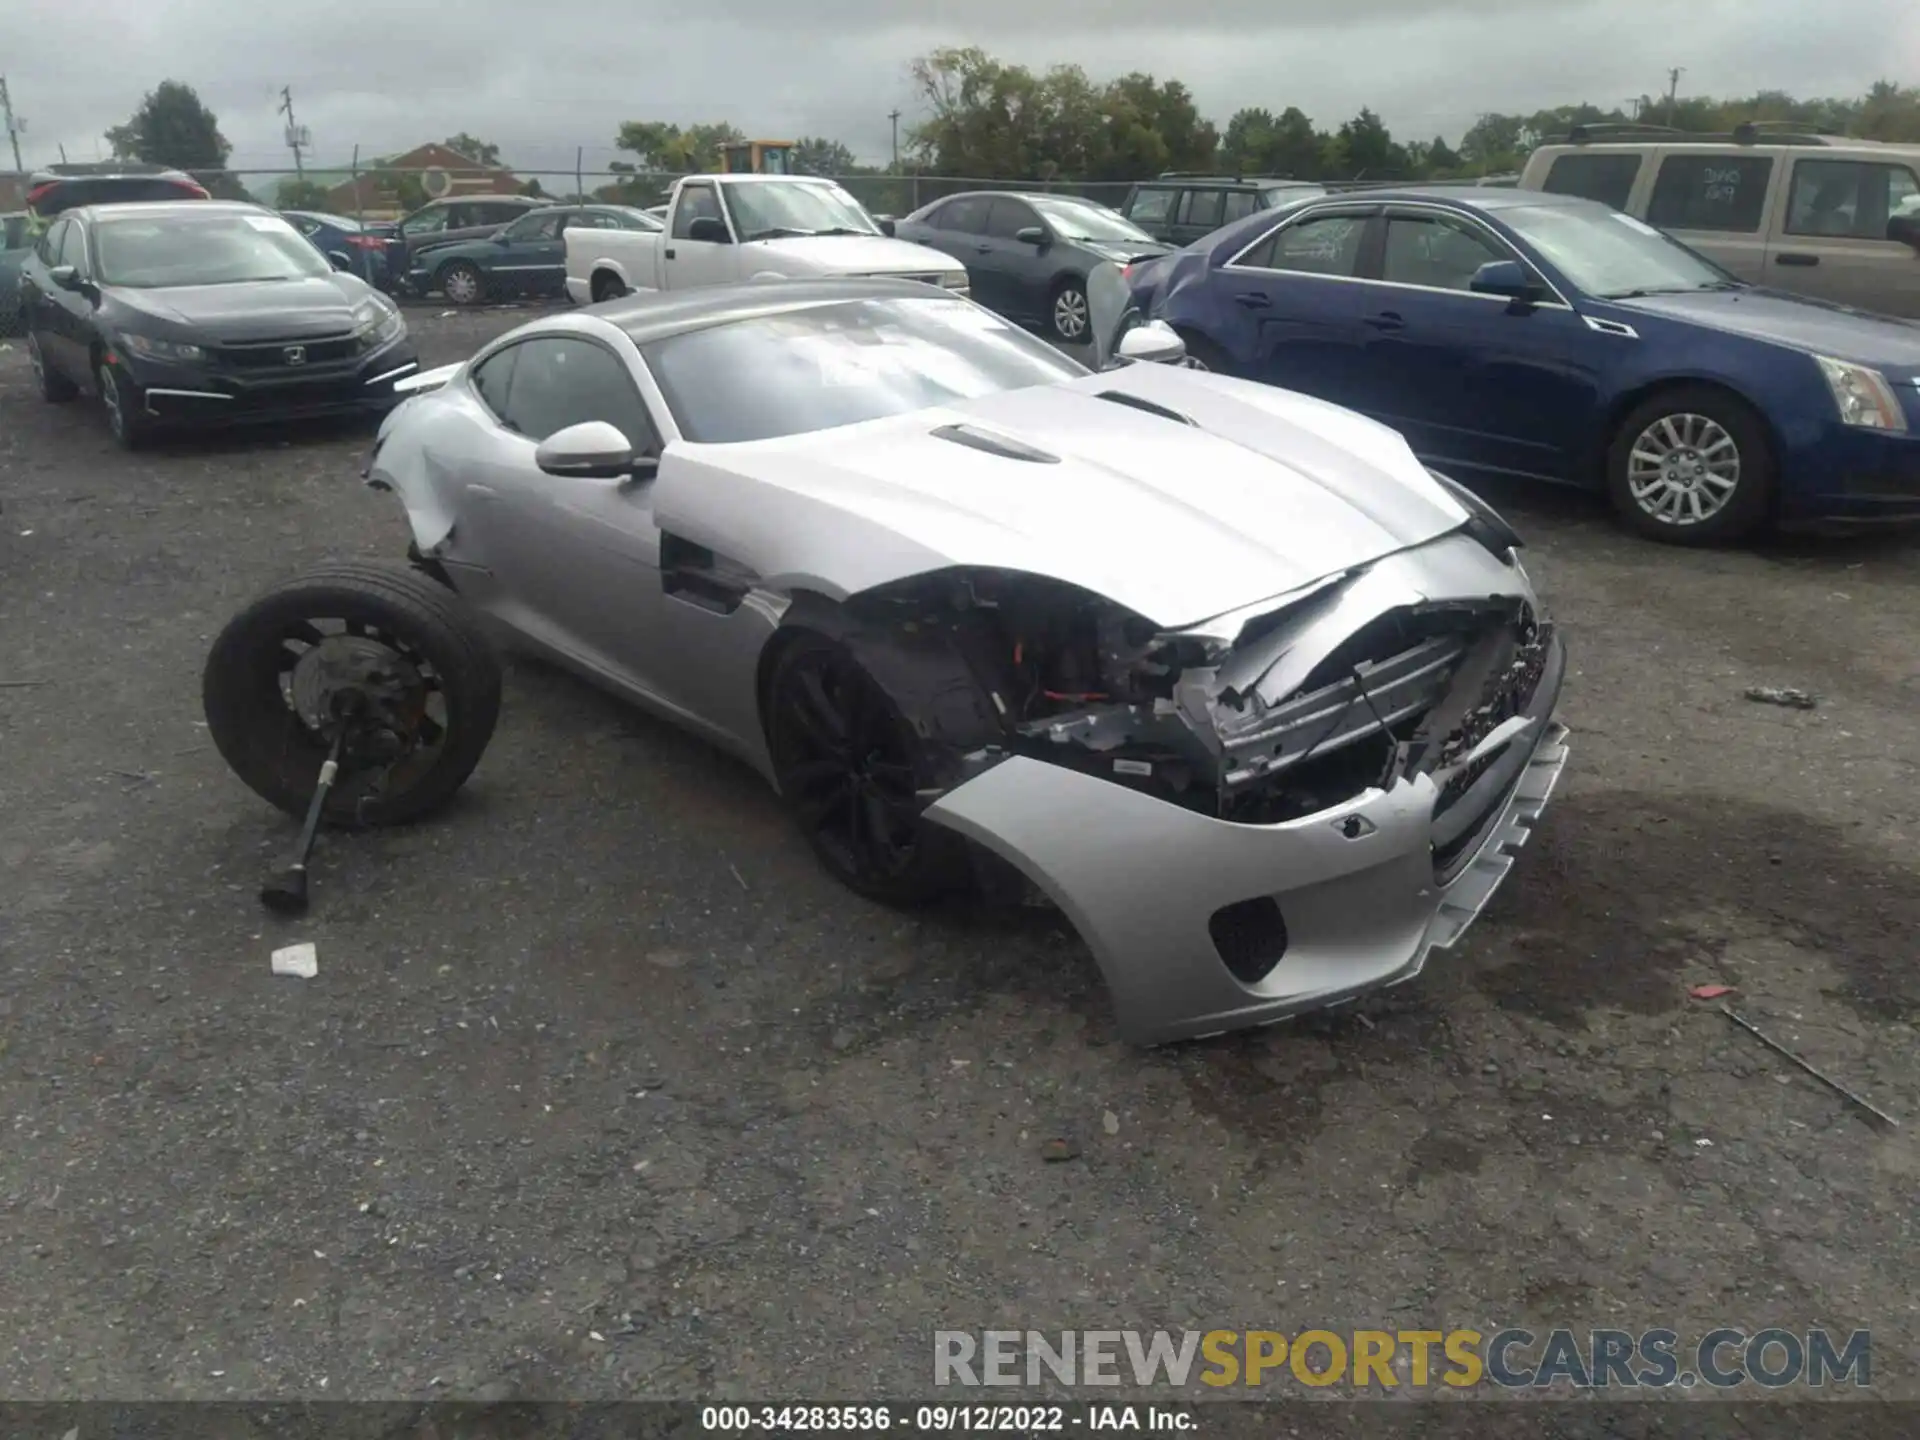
<point>1794,320</point>
<point>1263,492</point>
<point>854,255</point>
<point>266,310</point>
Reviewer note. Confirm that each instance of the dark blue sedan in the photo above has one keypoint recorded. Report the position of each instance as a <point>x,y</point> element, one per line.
<point>1517,333</point>
<point>362,247</point>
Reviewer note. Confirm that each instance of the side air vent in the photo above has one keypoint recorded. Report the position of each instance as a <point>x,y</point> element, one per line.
<point>1119,397</point>
<point>995,444</point>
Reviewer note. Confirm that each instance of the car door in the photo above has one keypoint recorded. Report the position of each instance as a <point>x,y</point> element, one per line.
<point>38,292</point>
<point>1832,238</point>
<point>576,561</point>
<point>687,262</point>
<point>1020,272</point>
<point>531,254</point>
<point>1288,306</point>
<point>70,312</point>
<point>1202,211</point>
<point>959,228</point>
<point>1717,204</point>
<point>1471,380</point>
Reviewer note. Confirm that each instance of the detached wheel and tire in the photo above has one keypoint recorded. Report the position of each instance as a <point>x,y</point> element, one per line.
<point>847,765</point>
<point>461,282</point>
<point>1691,466</point>
<point>387,639</point>
<point>126,411</point>
<point>55,388</point>
<point>1068,312</point>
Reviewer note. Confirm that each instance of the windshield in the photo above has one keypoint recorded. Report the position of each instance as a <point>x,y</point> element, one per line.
<point>839,364</point>
<point>150,252</point>
<point>762,212</point>
<point>1612,256</point>
<point>1080,221</point>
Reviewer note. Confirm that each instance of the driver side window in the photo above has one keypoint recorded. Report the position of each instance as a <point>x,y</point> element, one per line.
<point>73,247</point>
<point>697,202</point>
<point>559,381</point>
<point>427,222</point>
<point>1436,253</point>
<point>49,247</point>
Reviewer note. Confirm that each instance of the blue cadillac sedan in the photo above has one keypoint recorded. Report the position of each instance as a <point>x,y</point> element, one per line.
<point>1516,333</point>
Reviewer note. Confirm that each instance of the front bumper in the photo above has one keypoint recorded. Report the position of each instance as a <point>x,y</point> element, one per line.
<point>208,396</point>
<point>1360,905</point>
<point>1845,475</point>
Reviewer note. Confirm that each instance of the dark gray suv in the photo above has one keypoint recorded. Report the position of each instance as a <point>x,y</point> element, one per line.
<point>1178,208</point>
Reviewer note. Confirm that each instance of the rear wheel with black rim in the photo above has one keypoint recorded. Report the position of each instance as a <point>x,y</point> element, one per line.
<point>55,388</point>
<point>849,770</point>
<point>382,651</point>
<point>1691,465</point>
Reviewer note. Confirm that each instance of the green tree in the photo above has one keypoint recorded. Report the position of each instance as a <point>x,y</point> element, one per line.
<point>172,127</point>
<point>668,148</point>
<point>816,155</point>
<point>1363,149</point>
<point>477,150</point>
<point>297,194</point>
<point>532,186</point>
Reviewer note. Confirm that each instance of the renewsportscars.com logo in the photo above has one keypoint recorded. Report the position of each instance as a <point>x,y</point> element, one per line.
<point>1512,1359</point>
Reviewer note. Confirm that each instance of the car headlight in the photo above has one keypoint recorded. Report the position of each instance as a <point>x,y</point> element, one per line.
<point>1484,523</point>
<point>150,349</point>
<point>378,325</point>
<point>1863,395</point>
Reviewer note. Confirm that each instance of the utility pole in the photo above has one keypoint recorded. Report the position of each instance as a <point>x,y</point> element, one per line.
<point>1633,103</point>
<point>894,116</point>
<point>293,131</point>
<point>13,124</point>
<point>1673,89</point>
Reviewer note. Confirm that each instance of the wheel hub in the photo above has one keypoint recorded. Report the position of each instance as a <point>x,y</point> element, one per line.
<point>352,676</point>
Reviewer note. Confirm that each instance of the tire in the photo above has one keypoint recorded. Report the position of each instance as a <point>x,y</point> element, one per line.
<point>461,282</point>
<point>421,625</point>
<point>815,680</point>
<point>126,410</point>
<point>55,388</point>
<point>606,286</point>
<point>1067,315</point>
<point>1691,465</point>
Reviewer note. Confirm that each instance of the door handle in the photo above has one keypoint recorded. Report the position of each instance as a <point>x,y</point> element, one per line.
<point>1796,258</point>
<point>983,249</point>
<point>1387,320</point>
<point>1253,300</point>
<point>668,254</point>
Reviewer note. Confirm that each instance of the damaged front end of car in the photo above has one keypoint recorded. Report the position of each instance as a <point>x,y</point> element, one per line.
<point>1269,812</point>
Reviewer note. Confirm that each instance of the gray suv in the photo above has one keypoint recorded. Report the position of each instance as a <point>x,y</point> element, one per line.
<point>1177,208</point>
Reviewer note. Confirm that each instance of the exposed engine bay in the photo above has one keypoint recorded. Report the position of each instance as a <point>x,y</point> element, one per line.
<point>1292,714</point>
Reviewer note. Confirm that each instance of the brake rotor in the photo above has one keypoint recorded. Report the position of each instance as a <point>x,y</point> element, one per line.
<point>355,673</point>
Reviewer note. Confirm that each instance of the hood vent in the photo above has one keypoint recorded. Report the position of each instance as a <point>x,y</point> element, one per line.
<point>994,444</point>
<point>1120,397</point>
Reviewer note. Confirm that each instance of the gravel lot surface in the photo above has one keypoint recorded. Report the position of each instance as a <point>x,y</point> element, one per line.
<point>604,1089</point>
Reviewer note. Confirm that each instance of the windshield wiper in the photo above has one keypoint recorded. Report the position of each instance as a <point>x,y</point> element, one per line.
<point>842,230</point>
<point>777,232</point>
<point>1673,290</point>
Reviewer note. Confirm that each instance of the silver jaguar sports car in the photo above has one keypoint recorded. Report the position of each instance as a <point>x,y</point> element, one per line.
<point>1262,705</point>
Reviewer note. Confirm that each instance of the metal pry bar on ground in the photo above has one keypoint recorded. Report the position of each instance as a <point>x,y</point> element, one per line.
<point>286,891</point>
<point>1827,1080</point>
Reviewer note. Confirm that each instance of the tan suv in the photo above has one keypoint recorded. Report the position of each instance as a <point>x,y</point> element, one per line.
<point>1818,215</point>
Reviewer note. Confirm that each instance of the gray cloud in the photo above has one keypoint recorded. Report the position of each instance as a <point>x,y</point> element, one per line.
<point>543,78</point>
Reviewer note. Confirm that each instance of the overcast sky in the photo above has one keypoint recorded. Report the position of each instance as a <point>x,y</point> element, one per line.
<point>540,77</point>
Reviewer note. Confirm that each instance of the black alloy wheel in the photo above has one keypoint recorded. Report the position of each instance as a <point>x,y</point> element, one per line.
<point>847,766</point>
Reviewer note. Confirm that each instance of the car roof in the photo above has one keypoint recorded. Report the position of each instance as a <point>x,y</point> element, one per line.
<point>657,314</point>
<point>1470,197</point>
<point>1229,182</point>
<point>134,209</point>
<point>105,170</point>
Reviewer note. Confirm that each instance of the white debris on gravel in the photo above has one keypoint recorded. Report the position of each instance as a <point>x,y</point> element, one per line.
<point>301,960</point>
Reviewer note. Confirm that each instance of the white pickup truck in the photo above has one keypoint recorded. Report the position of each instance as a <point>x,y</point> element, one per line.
<point>725,229</point>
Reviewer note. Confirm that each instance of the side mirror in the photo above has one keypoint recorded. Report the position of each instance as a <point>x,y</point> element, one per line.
<point>1035,235</point>
<point>1506,277</point>
<point>713,231</point>
<point>65,276</point>
<point>500,237</point>
<point>887,224</point>
<point>1905,229</point>
<point>591,450</point>
<point>339,261</point>
<point>1153,343</point>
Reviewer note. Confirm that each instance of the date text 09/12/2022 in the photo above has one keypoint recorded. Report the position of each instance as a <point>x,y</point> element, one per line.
<point>947,1419</point>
